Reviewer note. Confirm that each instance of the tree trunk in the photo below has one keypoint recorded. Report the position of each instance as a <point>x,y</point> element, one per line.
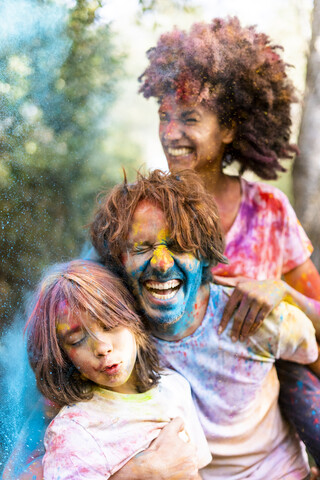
<point>306,170</point>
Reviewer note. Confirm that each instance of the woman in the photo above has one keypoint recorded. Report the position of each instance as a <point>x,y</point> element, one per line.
<point>224,95</point>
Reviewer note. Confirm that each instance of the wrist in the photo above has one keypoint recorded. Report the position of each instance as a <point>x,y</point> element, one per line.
<point>144,466</point>
<point>288,296</point>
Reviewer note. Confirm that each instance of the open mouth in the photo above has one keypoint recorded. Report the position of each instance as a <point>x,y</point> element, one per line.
<point>163,290</point>
<point>179,151</point>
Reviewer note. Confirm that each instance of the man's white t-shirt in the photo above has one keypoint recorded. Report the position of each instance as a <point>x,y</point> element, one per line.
<point>235,390</point>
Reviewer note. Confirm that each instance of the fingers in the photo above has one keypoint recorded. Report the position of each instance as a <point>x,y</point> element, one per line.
<point>250,303</point>
<point>232,305</point>
<point>225,281</point>
<point>249,316</point>
<point>171,430</point>
<point>176,425</point>
<point>263,313</point>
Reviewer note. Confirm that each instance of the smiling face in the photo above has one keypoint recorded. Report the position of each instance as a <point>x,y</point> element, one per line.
<point>191,136</point>
<point>106,357</point>
<point>166,282</point>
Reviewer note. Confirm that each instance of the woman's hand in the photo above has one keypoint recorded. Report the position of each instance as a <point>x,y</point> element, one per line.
<point>250,303</point>
<point>315,473</point>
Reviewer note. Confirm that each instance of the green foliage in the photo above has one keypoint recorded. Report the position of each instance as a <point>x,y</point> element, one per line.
<point>57,83</point>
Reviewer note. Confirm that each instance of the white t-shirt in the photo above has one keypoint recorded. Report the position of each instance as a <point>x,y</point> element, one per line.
<point>92,440</point>
<point>235,390</point>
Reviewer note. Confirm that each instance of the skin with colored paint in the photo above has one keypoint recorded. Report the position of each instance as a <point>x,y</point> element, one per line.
<point>150,236</point>
<point>104,356</point>
<point>166,282</point>
<point>224,95</point>
<point>192,138</point>
<point>191,135</point>
<point>238,77</point>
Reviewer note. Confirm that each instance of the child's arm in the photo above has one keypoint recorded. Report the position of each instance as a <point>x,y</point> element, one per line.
<point>72,452</point>
<point>167,458</point>
<point>34,471</point>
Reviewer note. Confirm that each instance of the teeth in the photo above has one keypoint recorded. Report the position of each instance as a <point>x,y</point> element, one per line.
<point>162,285</point>
<point>170,286</point>
<point>163,297</point>
<point>176,152</point>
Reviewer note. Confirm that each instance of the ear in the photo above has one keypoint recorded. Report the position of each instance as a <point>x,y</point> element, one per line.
<point>229,133</point>
<point>205,262</point>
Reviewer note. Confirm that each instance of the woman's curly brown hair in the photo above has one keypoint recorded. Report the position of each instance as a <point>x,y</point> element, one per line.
<point>238,74</point>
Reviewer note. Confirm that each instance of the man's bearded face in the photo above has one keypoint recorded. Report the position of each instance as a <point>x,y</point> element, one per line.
<point>165,280</point>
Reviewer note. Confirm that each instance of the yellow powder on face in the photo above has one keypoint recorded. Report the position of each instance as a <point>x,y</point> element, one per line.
<point>162,255</point>
<point>62,327</point>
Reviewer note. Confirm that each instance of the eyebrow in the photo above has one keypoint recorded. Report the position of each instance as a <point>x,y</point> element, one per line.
<point>190,112</point>
<point>70,332</point>
<point>145,243</point>
<point>183,114</point>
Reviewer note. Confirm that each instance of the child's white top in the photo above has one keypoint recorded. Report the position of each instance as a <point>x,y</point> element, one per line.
<point>92,440</point>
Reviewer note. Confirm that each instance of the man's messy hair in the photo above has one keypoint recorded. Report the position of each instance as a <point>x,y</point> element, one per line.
<point>190,212</point>
<point>237,73</point>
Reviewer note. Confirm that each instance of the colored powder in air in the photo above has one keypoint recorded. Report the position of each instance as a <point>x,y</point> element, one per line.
<point>19,400</point>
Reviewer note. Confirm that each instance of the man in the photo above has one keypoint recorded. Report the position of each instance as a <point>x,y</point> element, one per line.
<point>163,233</point>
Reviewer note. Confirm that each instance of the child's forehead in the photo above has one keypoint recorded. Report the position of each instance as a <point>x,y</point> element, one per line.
<point>63,308</point>
<point>68,318</point>
<point>67,323</point>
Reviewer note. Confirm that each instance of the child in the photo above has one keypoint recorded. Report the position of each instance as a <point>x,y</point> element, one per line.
<point>91,354</point>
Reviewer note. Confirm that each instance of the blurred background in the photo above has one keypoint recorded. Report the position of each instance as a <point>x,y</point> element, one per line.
<point>71,118</point>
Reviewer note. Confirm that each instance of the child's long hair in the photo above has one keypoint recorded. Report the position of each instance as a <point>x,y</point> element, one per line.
<point>71,289</point>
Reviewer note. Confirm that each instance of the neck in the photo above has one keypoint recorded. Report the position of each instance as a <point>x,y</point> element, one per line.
<point>215,180</point>
<point>188,323</point>
<point>226,192</point>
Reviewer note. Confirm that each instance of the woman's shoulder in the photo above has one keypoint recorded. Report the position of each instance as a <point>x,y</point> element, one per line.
<point>264,194</point>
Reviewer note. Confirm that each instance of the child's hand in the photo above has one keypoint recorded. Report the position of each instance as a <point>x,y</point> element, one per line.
<point>250,302</point>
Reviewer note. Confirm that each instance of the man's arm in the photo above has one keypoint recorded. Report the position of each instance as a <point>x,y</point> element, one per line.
<point>167,458</point>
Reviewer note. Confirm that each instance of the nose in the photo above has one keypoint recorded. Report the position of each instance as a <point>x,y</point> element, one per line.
<point>162,259</point>
<point>101,347</point>
<point>171,130</point>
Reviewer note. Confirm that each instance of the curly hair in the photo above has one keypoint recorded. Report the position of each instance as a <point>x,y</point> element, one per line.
<point>237,73</point>
<point>71,289</point>
<point>190,212</point>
